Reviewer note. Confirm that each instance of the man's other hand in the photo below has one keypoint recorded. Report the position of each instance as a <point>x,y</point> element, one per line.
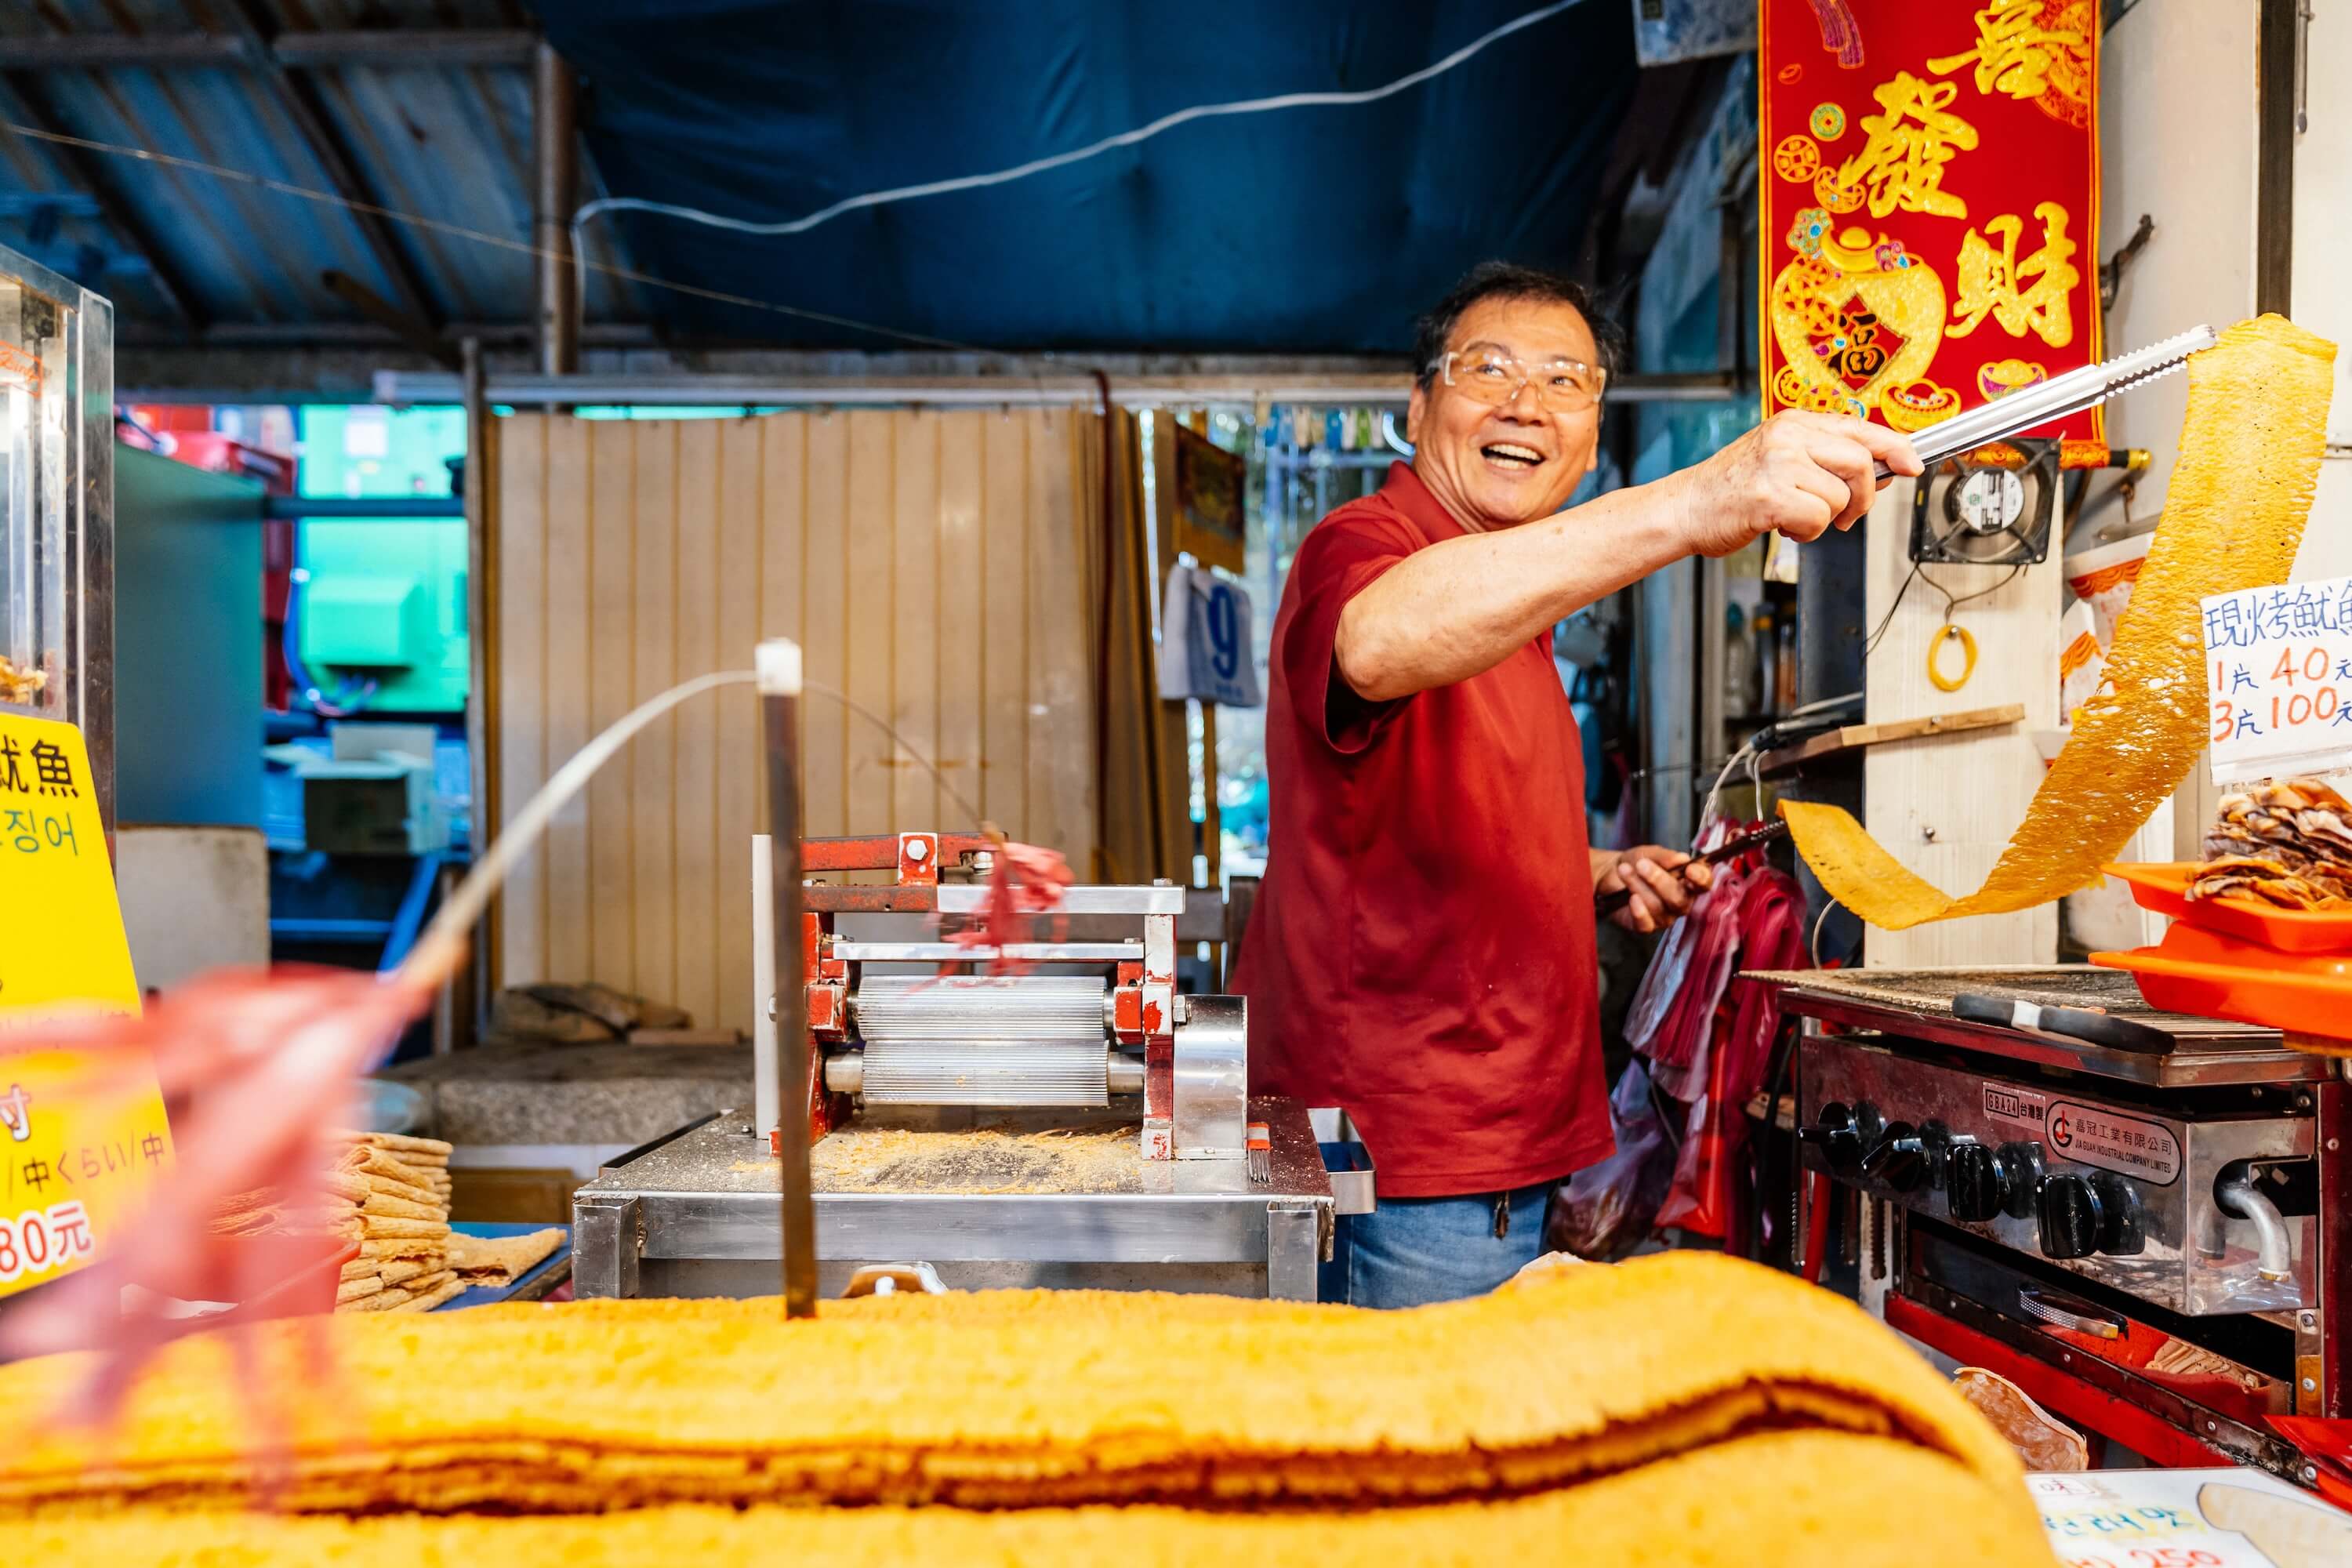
<point>1798,474</point>
<point>1662,889</point>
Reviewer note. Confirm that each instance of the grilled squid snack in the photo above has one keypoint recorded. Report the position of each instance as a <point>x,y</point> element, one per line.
<point>2250,452</point>
<point>2287,842</point>
<point>1685,1408</point>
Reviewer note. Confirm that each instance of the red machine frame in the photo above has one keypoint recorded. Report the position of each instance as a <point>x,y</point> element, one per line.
<point>1143,1000</point>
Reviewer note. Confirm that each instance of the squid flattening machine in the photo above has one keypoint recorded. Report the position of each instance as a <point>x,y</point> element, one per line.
<point>1078,1122</point>
<point>1005,1041</point>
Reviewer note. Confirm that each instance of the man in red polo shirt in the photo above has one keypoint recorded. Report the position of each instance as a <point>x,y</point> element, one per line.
<point>1422,953</point>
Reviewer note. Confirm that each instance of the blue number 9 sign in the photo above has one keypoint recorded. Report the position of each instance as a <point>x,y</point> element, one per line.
<point>1206,651</point>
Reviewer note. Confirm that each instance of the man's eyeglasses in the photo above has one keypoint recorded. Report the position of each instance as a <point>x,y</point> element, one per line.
<point>1490,375</point>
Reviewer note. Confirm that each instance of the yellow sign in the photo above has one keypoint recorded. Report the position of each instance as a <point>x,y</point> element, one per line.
<point>1210,483</point>
<point>74,1166</point>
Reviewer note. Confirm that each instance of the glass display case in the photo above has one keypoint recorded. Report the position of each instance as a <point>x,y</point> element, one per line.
<point>56,487</point>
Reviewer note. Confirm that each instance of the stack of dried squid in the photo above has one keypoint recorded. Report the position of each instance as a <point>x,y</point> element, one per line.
<point>390,1194</point>
<point>2288,842</point>
<point>1683,1408</point>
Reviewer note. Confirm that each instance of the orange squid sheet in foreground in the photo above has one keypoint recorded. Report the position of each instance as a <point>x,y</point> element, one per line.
<point>1685,1408</point>
<point>2250,454</point>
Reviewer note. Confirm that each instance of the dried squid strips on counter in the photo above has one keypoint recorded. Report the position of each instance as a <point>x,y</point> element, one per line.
<point>387,1191</point>
<point>502,1259</point>
<point>1040,1399</point>
<point>1774,1499</point>
<point>2287,841</point>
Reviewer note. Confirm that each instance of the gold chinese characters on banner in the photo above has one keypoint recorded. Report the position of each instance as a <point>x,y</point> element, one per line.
<point>1930,212</point>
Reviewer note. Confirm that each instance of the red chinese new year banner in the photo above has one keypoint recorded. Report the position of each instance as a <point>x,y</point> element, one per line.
<point>1930,208</point>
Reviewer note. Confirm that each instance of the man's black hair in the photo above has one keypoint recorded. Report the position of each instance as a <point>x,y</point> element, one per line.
<point>1505,280</point>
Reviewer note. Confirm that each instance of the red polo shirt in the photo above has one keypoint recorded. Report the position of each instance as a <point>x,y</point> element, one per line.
<point>1421,953</point>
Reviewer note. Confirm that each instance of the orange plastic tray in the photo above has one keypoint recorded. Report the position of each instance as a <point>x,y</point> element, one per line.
<point>2162,887</point>
<point>2207,976</point>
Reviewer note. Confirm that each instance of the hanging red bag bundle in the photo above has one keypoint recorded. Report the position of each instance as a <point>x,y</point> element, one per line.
<point>1766,932</point>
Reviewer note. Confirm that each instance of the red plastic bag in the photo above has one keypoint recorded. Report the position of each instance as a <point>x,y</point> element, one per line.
<point>1771,936</point>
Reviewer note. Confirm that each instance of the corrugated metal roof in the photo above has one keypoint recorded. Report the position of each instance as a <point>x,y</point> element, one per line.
<point>448,143</point>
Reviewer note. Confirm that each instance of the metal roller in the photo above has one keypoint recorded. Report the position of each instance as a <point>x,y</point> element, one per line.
<point>974,1008</point>
<point>845,1072</point>
<point>1008,1072</point>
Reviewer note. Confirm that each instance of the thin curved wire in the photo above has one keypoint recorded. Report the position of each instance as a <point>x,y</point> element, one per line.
<point>442,944</point>
<point>481,237</point>
<point>1813,943</point>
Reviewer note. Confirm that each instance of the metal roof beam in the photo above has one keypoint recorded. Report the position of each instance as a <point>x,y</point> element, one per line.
<point>418,335</point>
<point>94,51</point>
<point>419,48</point>
<point>298,96</point>
<point>444,48</point>
<point>87,173</point>
<point>695,388</point>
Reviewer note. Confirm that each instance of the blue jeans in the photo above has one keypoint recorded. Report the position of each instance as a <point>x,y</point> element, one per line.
<point>1411,1251</point>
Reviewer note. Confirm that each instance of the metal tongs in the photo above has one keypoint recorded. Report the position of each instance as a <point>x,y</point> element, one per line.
<point>2043,401</point>
<point>1606,904</point>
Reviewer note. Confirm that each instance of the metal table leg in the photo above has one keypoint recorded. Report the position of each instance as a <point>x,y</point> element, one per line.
<point>1294,1246</point>
<point>607,1238</point>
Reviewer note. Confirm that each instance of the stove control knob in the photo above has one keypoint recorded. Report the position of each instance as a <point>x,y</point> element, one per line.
<point>1899,1158</point>
<point>2122,1232</point>
<point>2021,1167</point>
<point>2072,1216</point>
<point>1938,1139</point>
<point>2082,1214</point>
<point>1834,1133</point>
<point>1976,1181</point>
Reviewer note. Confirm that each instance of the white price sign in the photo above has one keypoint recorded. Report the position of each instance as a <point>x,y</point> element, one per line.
<point>2187,1518</point>
<point>2278,668</point>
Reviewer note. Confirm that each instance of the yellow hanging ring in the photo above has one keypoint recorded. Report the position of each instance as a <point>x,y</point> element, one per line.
<point>1967,656</point>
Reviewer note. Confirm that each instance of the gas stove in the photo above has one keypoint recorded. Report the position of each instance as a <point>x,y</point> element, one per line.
<point>2200,1203</point>
<point>2117,1208</point>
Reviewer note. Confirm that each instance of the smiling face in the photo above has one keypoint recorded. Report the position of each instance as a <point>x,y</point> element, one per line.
<point>1500,466</point>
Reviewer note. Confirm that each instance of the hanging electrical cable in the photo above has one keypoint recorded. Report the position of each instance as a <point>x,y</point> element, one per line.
<point>481,236</point>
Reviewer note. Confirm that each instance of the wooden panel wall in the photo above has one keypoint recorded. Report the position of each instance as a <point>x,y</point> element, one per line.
<point>1945,805</point>
<point>1147,827</point>
<point>938,568</point>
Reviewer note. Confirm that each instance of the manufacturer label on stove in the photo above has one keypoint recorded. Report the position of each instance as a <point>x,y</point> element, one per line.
<point>2020,1110</point>
<point>2127,1146</point>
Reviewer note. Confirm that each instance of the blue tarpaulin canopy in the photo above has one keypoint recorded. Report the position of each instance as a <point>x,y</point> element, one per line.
<point>1319,229</point>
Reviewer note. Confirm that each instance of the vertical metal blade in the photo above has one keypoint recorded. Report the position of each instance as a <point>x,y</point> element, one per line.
<point>780,721</point>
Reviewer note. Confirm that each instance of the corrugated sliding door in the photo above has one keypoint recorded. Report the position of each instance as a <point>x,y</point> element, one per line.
<point>936,566</point>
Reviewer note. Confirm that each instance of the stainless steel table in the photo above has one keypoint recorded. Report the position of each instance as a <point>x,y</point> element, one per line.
<point>989,1198</point>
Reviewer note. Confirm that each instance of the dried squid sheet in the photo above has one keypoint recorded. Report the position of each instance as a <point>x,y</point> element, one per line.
<point>2249,453</point>
<point>1778,1500</point>
<point>1019,1399</point>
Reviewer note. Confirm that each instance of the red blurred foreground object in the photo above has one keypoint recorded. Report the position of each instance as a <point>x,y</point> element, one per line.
<point>258,1067</point>
<point>257,1070</point>
<point>1023,883</point>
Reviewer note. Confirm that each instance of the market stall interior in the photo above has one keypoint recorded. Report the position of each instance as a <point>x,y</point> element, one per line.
<point>1364,786</point>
